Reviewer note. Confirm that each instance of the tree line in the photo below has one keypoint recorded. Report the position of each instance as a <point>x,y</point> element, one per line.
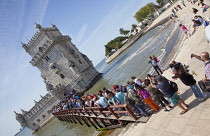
<point>140,15</point>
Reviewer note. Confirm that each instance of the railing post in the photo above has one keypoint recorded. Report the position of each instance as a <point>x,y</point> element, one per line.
<point>103,122</point>
<point>112,111</point>
<point>130,111</point>
<point>78,120</point>
<point>83,118</point>
<point>102,112</point>
<point>72,117</point>
<point>92,122</point>
<point>96,121</point>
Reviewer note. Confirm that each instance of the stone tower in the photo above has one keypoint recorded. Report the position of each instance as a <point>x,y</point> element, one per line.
<point>61,64</point>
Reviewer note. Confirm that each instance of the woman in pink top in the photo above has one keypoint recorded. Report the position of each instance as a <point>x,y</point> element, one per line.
<point>205,7</point>
<point>185,30</point>
<point>146,97</point>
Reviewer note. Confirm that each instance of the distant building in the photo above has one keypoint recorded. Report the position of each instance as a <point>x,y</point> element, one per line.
<point>62,67</point>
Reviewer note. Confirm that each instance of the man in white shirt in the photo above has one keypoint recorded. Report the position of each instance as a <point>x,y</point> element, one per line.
<point>207,30</point>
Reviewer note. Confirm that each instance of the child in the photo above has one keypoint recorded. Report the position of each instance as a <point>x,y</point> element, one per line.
<point>185,30</point>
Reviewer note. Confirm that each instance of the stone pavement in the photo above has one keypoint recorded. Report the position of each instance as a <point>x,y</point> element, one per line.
<point>196,122</point>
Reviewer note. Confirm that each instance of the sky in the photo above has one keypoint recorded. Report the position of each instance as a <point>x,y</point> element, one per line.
<point>90,23</point>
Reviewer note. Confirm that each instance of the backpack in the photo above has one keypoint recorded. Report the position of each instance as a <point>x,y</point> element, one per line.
<point>174,86</point>
<point>129,101</point>
<point>153,62</point>
<point>187,79</point>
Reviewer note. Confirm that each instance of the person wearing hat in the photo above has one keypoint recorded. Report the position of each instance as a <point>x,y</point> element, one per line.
<point>168,91</point>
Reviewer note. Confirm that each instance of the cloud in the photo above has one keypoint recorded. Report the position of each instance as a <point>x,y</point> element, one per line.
<point>80,34</point>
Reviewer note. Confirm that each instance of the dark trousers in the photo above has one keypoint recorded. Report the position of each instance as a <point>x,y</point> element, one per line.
<point>157,69</point>
<point>162,99</point>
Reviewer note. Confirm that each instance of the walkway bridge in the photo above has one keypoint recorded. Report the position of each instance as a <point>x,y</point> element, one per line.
<point>111,117</point>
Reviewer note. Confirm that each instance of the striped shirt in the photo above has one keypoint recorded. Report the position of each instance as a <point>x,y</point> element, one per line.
<point>207,69</point>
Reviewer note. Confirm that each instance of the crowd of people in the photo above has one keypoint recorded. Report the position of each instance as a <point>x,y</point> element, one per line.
<point>153,92</point>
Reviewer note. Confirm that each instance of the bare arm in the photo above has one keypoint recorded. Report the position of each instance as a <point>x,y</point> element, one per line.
<point>195,56</point>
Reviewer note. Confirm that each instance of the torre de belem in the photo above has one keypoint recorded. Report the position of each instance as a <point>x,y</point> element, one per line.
<point>63,68</point>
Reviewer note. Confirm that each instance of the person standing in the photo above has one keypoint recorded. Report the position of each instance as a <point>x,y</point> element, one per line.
<point>168,91</point>
<point>183,3</point>
<point>157,95</point>
<point>185,30</point>
<point>204,56</point>
<point>146,97</point>
<point>189,80</point>
<point>207,29</point>
<point>155,65</point>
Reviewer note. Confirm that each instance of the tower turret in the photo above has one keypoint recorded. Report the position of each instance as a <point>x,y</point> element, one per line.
<point>23,112</point>
<point>24,46</point>
<point>20,118</point>
<point>38,26</point>
<point>35,102</point>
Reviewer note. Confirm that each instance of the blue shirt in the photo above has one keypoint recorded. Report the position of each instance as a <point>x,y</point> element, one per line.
<point>120,96</point>
<point>166,88</point>
<point>103,102</point>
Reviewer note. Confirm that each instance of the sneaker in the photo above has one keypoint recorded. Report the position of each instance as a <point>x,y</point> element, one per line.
<point>204,96</point>
<point>166,110</point>
<point>171,107</point>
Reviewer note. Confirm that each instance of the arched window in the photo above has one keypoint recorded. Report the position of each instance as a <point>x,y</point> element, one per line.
<point>62,76</point>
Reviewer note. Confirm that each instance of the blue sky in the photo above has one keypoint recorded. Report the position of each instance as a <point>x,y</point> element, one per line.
<point>90,24</point>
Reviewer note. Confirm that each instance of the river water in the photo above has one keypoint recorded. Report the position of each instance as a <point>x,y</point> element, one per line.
<point>132,62</point>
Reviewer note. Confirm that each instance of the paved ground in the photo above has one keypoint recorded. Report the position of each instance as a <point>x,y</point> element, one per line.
<point>196,122</point>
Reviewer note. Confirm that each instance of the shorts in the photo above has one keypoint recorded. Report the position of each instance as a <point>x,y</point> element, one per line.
<point>174,99</point>
<point>197,25</point>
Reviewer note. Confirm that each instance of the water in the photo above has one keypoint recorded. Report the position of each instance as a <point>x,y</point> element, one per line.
<point>132,62</point>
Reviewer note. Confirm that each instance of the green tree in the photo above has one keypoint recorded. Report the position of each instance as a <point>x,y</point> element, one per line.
<point>160,2</point>
<point>116,43</point>
<point>124,32</point>
<point>134,28</point>
<point>145,11</point>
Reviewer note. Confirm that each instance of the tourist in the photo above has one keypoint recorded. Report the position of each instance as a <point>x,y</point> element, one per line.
<point>196,24</point>
<point>157,95</point>
<point>204,56</point>
<point>206,22</point>
<point>103,101</point>
<point>207,29</point>
<point>183,3</point>
<point>174,12</point>
<point>146,97</point>
<point>178,6</point>
<point>195,10</point>
<point>120,96</point>
<point>168,91</point>
<point>137,80</point>
<point>185,30</point>
<point>155,66</point>
<point>132,99</point>
<point>189,80</point>
<point>112,99</point>
<point>204,7</point>
<point>201,2</point>
<point>158,62</point>
<point>199,18</point>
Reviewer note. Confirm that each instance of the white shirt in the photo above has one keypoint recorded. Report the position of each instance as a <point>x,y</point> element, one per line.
<point>207,32</point>
<point>137,81</point>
